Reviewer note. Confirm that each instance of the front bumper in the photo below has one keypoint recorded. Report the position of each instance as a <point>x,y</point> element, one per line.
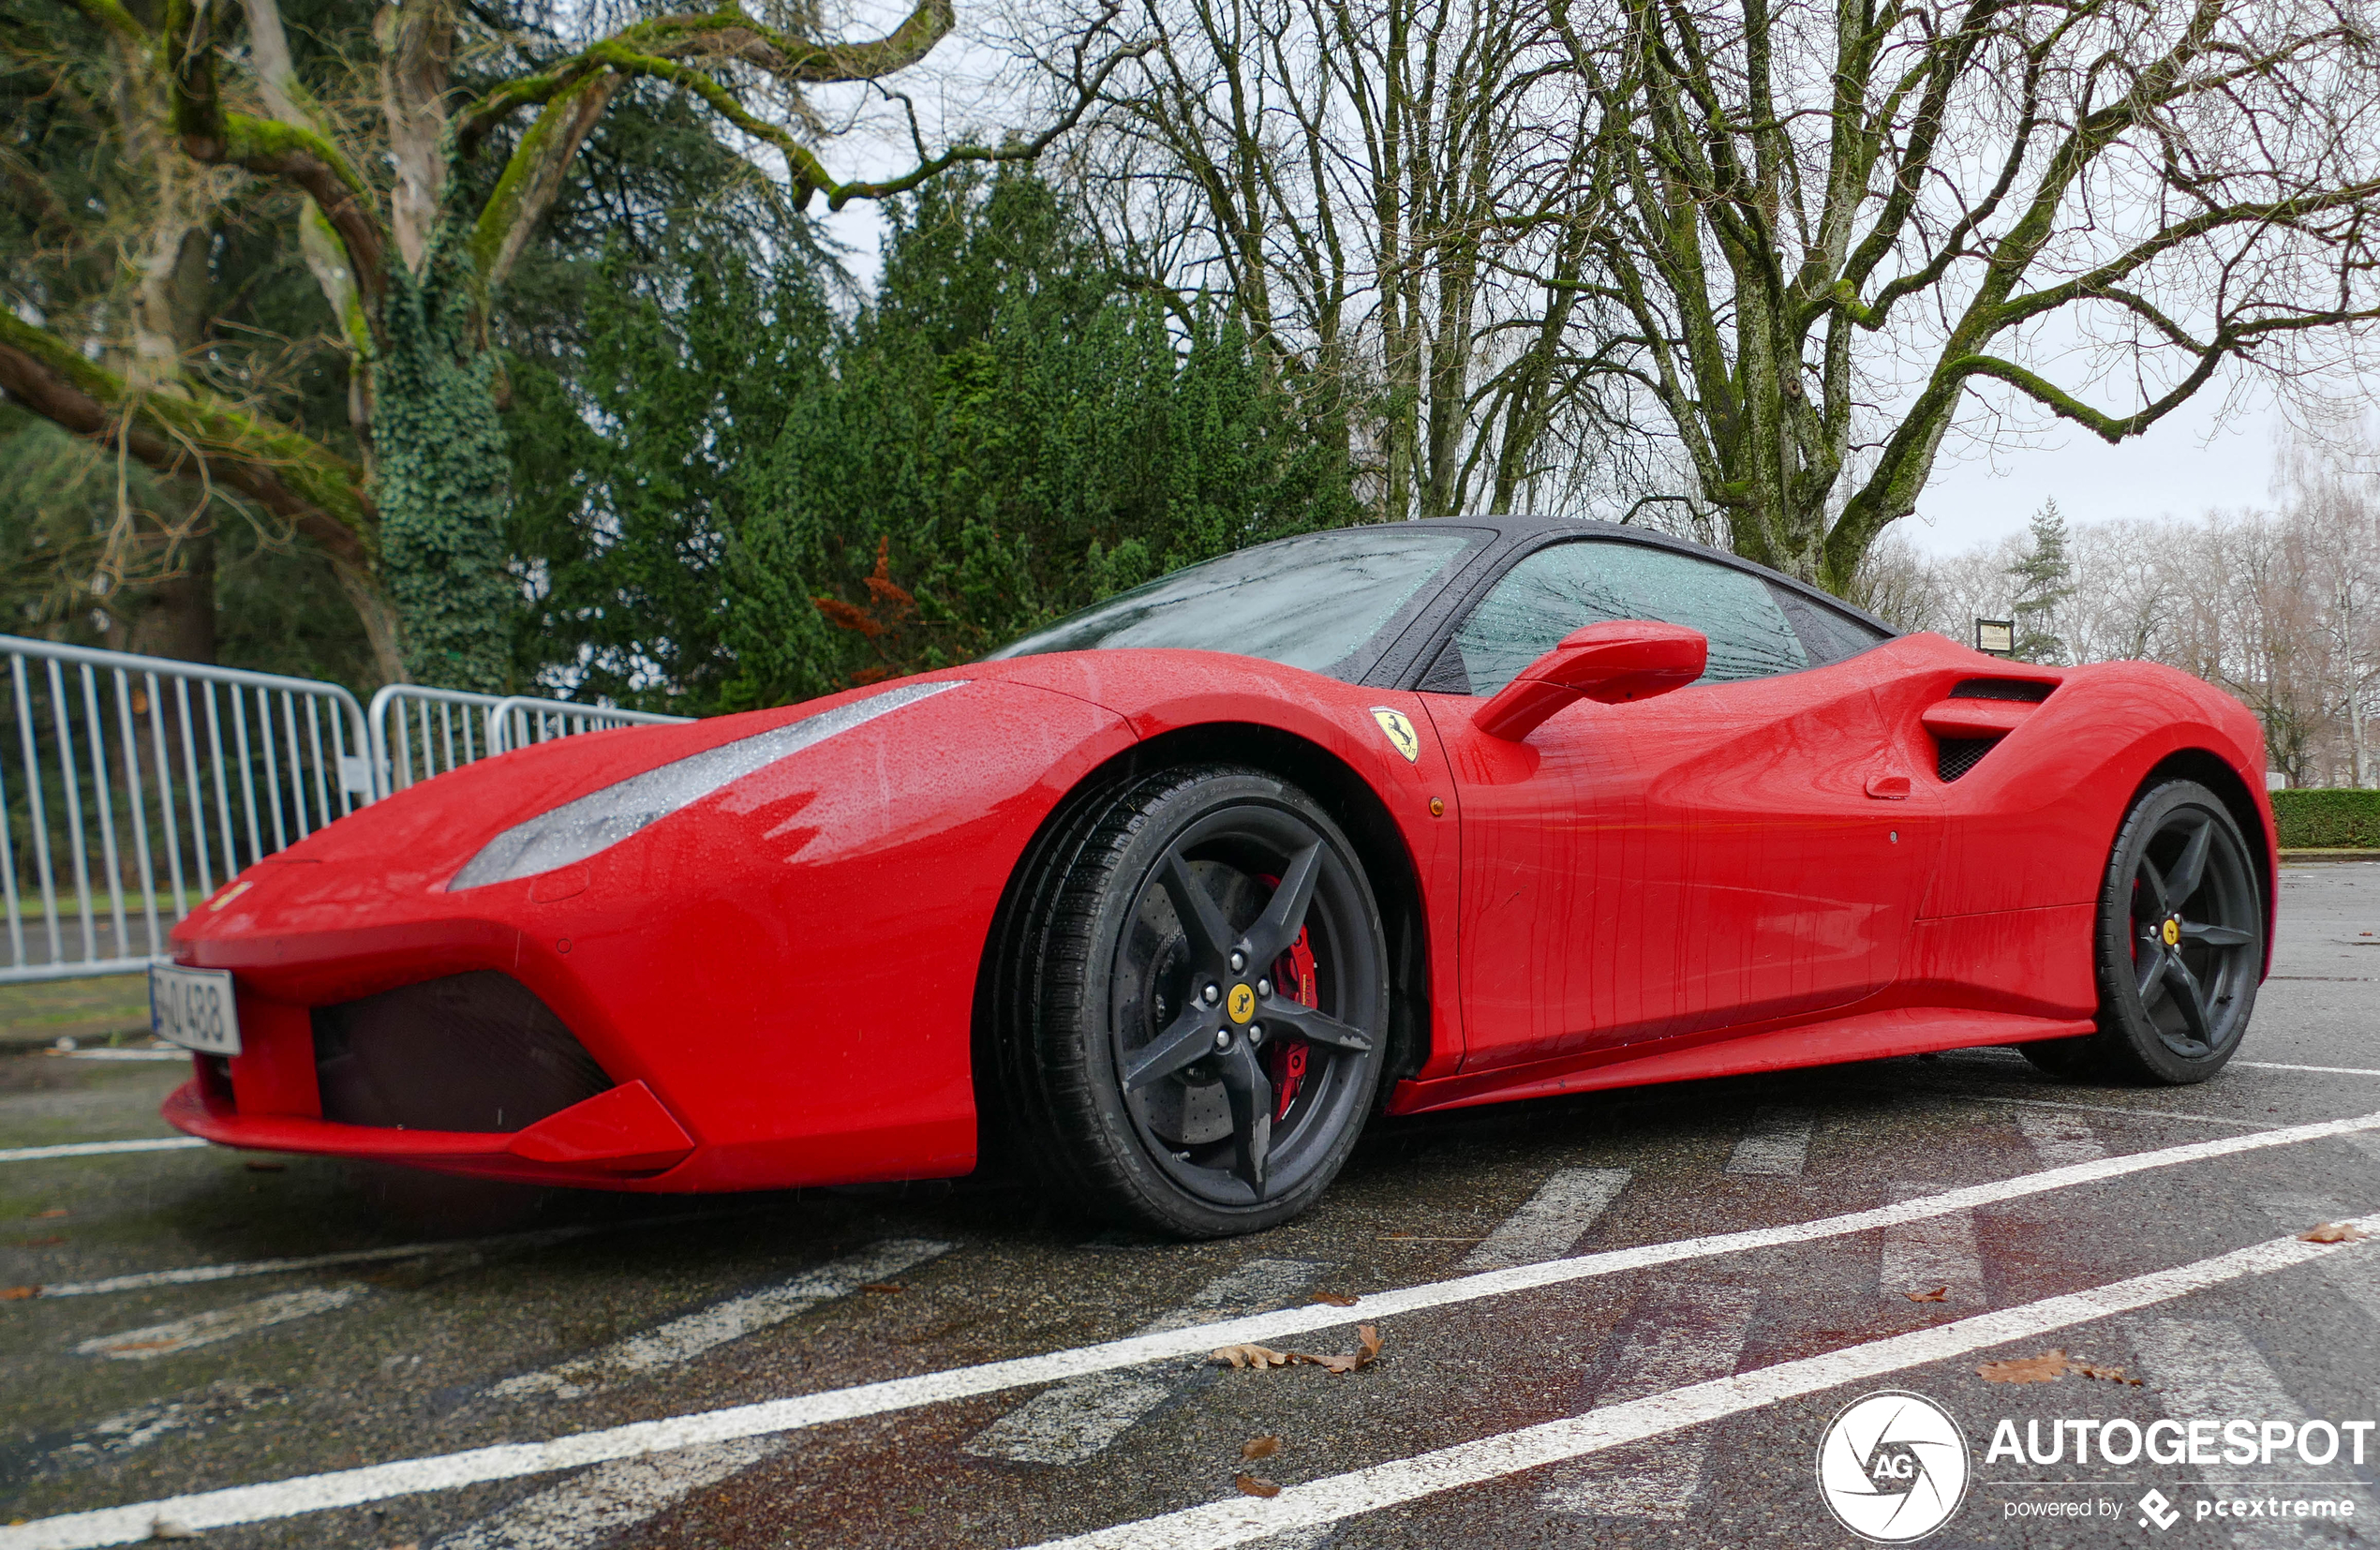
<point>609,1139</point>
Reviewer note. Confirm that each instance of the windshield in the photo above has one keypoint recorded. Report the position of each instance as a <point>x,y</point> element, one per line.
<point>1308,602</point>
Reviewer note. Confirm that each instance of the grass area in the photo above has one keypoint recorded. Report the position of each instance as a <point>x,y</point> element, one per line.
<point>110,1009</point>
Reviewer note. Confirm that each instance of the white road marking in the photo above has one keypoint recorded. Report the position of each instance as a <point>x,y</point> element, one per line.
<point>204,1329</point>
<point>2077,1108</point>
<point>183,1056</point>
<point>1937,1251</point>
<point>1242,1519</point>
<point>1081,1417</point>
<point>681,1340</point>
<point>100,1149</point>
<point>1777,1147</point>
<point>2058,1140</point>
<point>2355,1276</point>
<point>1679,1335</point>
<point>610,1498</point>
<point>143,1424</point>
<point>194,1275</point>
<point>304,1493</point>
<point>2207,1367</point>
<point>1550,1221</point>
<point>2319,1070</point>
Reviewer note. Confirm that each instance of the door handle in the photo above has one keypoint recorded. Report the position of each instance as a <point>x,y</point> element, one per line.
<point>1887,787</point>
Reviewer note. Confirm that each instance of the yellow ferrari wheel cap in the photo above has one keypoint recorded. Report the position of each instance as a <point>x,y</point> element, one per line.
<point>1240,1004</point>
<point>2173,932</point>
<point>1400,734</point>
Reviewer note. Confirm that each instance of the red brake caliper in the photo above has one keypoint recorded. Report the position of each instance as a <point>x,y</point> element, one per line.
<point>1293,973</point>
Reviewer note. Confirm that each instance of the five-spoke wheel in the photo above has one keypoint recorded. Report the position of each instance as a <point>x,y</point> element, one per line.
<point>1202,1035</point>
<point>2181,945</point>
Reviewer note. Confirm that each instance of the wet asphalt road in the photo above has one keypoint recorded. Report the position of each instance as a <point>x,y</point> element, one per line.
<point>583,1313</point>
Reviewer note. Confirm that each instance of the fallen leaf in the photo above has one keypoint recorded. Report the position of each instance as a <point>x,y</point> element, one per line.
<point>2333,1232</point>
<point>1250,1485</point>
<point>1940,1294</point>
<point>51,1215</point>
<point>2105,1375</point>
<point>50,1241</point>
<point>18,1294</point>
<point>1336,1299</point>
<point>1250,1356</point>
<point>166,1529</point>
<point>886,1288</point>
<point>2049,1367</point>
<point>1263,1447</point>
<point>1367,1351</point>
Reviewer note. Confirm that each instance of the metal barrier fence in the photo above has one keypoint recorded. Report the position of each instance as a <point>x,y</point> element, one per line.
<point>419,732</point>
<point>137,783</point>
<point>133,786</point>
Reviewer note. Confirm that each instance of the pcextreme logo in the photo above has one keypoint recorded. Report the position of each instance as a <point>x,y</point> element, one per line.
<point>1893,1467</point>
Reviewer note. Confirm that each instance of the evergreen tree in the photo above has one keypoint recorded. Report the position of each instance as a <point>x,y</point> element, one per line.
<point>2045,580</point>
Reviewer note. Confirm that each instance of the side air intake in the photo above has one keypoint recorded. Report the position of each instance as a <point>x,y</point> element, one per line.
<point>1975,716</point>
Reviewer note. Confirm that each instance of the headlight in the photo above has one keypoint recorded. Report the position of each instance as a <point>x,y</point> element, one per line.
<point>601,819</point>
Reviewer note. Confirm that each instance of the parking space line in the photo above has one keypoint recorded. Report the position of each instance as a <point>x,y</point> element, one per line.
<point>2207,1367</point>
<point>610,1498</point>
<point>1245,1519</point>
<point>2319,1070</point>
<point>1678,1335</point>
<point>183,1056</point>
<point>100,1149</point>
<point>1079,1418</point>
<point>2058,1138</point>
<point>1778,1145</point>
<point>1550,1221</point>
<point>304,1493</point>
<point>2181,1114</point>
<point>681,1340</point>
<point>197,1275</point>
<point>1938,1253</point>
<point>177,1336</point>
<point>2357,1276</point>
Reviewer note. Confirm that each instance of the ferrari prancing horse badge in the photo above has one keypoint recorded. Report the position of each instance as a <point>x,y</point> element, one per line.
<point>1400,732</point>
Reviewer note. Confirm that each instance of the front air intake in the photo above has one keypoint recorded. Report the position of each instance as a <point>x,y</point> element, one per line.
<point>469,1051</point>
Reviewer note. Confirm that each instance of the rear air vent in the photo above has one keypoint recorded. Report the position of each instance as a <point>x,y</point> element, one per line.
<point>2029,690</point>
<point>1955,756</point>
<point>470,1052</point>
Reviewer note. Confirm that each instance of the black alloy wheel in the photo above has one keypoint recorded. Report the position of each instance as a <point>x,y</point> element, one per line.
<point>1199,1038</point>
<point>2180,944</point>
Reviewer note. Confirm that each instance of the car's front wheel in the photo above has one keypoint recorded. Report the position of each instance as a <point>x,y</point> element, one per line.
<point>1197,1035</point>
<point>2179,941</point>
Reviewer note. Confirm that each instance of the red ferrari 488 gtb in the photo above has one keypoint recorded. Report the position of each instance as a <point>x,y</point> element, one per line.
<point>1173,896</point>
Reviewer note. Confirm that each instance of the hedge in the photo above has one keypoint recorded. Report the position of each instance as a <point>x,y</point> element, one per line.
<point>2328,818</point>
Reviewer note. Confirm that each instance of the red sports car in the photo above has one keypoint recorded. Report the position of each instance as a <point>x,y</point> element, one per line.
<point>1171,897</point>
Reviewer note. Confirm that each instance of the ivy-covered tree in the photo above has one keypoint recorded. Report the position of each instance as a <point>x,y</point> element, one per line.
<point>420,194</point>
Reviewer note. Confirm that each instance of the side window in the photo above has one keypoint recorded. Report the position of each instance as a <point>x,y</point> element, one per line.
<point>1831,637</point>
<point>1567,585</point>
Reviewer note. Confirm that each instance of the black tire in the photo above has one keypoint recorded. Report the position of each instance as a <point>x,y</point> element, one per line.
<point>2179,946</point>
<point>1131,1089</point>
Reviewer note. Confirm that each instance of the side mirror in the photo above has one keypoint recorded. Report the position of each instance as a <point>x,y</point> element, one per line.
<point>1630,658</point>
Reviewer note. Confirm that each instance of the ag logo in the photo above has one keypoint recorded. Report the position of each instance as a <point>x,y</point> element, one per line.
<point>1893,1467</point>
<point>1400,731</point>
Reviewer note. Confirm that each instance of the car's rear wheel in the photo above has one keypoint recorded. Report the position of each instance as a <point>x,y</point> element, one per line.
<point>2179,941</point>
<point>1196,1037</point>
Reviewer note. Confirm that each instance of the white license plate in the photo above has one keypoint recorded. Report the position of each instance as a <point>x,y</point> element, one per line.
<point>193,1007</point>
